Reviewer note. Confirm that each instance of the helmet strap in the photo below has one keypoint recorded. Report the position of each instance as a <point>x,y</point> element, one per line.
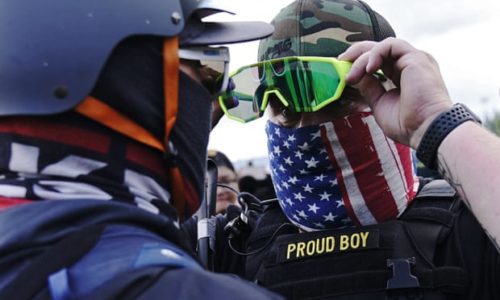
<point>170,83</point>
<point>104,114</point>
<point>171,97</point>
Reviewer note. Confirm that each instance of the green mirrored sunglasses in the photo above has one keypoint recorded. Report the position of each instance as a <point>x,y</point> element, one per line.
<point>303,83</point>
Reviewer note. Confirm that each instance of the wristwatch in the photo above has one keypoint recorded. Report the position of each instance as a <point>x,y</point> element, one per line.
<point>440,127</point>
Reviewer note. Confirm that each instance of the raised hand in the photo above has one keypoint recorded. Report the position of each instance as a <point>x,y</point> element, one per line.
<point>405,111</point>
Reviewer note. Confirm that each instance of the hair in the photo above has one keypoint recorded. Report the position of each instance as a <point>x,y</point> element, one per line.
<point>221,160</point>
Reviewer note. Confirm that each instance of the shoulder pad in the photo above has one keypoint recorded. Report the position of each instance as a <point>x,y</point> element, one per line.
<point>439,188</point>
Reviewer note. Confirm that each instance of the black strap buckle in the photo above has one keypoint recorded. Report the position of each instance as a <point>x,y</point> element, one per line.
<point>402,278</point>
<point>170,155</point>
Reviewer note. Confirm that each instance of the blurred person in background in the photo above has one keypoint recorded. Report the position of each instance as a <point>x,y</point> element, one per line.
<point>262,188</point>
<point>226,175</point>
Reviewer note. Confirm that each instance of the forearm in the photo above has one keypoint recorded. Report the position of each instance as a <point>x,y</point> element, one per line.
<point>469,159</point>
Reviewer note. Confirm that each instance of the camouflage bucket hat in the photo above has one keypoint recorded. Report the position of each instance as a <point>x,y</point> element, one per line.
<point>322,28</point>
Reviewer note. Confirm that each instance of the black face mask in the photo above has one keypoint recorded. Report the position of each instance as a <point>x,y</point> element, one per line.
<point>190,134</point>
<point>132,83</point>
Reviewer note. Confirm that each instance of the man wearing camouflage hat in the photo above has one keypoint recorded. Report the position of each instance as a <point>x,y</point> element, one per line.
<point>352,220</point>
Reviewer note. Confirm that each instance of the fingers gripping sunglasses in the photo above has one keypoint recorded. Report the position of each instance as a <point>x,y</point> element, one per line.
<point>302,83</point>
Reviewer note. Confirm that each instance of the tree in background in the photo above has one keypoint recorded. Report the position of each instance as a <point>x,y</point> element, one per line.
<point>492,122</point>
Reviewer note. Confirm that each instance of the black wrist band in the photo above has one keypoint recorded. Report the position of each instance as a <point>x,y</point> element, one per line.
<point>440,127</point>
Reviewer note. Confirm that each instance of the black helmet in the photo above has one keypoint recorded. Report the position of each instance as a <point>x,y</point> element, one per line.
<point>52,51</point>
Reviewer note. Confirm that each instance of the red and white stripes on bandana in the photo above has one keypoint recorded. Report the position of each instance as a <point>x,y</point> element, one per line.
<point>341,173</point>
<point>375,174</point>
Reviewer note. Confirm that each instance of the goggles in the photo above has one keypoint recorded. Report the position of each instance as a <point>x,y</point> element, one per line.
<point>214,64</point>
<point>302,83</point>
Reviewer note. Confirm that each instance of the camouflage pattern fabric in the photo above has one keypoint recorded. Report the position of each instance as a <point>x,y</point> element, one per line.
<point>322,28</point>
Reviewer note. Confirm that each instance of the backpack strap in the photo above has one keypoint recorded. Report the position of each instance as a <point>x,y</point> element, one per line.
<point>61,255</point>
<point>431,216</point>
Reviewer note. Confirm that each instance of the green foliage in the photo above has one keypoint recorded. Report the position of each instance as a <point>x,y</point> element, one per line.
<point>492,122</point>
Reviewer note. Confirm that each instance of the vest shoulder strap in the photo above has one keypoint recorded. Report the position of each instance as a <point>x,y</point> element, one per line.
<point>436,202</point>
<point>438,188</point>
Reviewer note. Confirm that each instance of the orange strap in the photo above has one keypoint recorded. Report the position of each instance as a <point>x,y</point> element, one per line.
<point>106,115</point>
<point>170,82</point>
<point>171,96</point>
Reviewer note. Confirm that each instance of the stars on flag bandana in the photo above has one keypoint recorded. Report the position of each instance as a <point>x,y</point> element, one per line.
<point>306,187</point>
<point>340,173</point>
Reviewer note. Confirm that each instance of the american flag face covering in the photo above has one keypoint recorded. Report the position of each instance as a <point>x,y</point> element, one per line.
<point>338,174</point>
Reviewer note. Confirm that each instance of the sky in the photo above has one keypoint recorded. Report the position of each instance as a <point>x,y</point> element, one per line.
<point>462,35</point>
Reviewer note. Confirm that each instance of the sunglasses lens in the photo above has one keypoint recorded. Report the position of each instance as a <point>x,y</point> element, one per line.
<point>245,83</point>
<point>216,71</point>
<point>213,65</point>
<point>306,84</point>
<point>324,84</point>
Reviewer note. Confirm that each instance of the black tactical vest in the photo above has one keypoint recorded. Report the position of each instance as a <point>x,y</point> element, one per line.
<point>392,260</point>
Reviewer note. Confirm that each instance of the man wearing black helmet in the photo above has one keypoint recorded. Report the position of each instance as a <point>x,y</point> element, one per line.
<point>103,144</point>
